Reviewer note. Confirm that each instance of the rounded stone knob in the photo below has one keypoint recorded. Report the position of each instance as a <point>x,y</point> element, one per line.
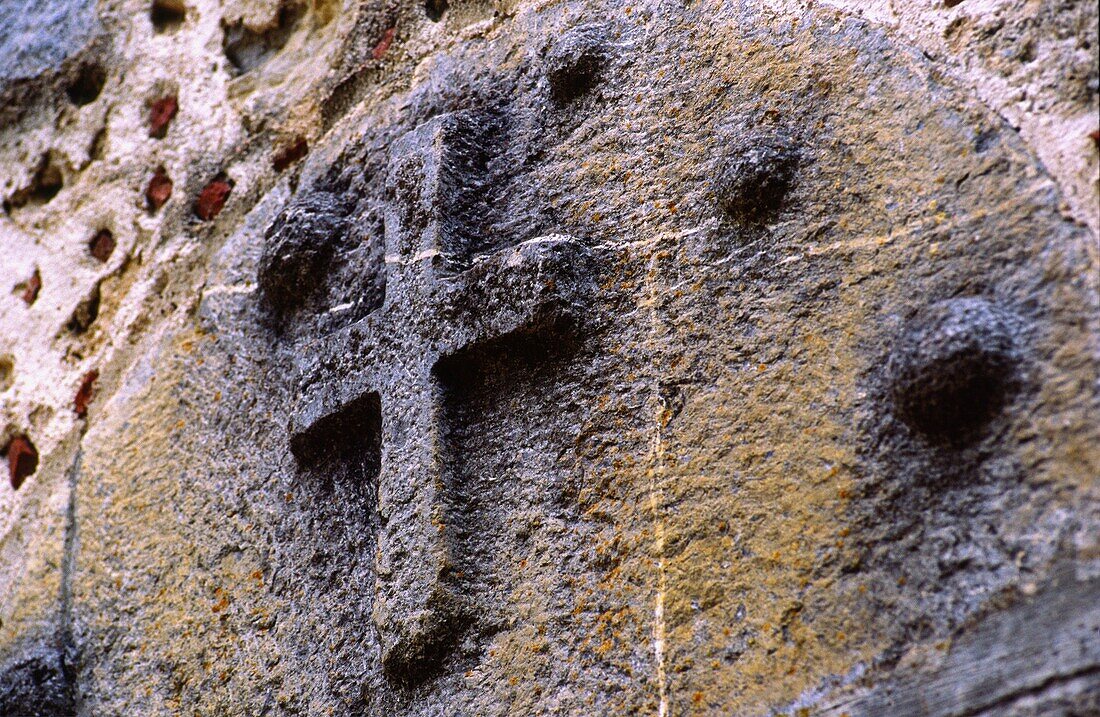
<point>953,368</point>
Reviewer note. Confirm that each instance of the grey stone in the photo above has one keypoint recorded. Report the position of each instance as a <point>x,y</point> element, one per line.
<point>37,36</point>
<point>574,62</point>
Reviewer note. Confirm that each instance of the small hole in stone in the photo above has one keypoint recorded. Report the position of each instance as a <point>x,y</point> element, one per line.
<point>44,186</point>
<point>247,48</point>
<point>167,15</point>
<point>7,372</point>
<point>435,9</point>
<point>86,312</point>
<point>952,3</point>
<point>87,86</point>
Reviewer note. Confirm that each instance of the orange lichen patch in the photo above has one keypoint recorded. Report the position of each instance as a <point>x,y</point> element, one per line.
<point>220,605</point>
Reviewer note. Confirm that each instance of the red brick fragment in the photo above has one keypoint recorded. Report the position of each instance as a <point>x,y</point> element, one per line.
<point>383,44</point>
<point>102,245</point>
<point>85,393</point>
<point>291,154</point>
<point>212,197</point>
<point>22,460</point>
<point>159,189</point>
<point>31,287</point>
<point>161,114</point>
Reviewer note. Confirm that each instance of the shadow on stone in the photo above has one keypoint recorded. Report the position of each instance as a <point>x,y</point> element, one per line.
<point>35,684</point>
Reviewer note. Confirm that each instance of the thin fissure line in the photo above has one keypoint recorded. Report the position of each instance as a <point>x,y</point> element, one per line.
<point>68,559</point>
<point>655,501</point>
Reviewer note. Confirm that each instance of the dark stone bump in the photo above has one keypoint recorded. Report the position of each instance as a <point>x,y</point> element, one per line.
<point>953,369</point>
<point>755,181</point>
<point>574,64</point>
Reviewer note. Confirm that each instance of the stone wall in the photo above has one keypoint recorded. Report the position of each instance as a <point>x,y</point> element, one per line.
<point>491,357</point>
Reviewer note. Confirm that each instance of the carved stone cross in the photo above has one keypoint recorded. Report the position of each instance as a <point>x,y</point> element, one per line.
<point>435,306</point>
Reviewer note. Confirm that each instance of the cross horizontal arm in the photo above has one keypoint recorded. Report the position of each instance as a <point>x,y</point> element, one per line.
<point>334,372</point>
<point>525,287</point>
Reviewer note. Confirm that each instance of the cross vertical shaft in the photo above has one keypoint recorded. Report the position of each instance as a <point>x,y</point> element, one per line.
<point>438,303</point>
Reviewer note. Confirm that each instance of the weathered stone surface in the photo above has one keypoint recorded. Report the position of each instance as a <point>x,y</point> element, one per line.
<point>555,358</point>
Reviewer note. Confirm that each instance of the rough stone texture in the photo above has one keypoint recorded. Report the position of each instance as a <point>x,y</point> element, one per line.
<point>550,358</point>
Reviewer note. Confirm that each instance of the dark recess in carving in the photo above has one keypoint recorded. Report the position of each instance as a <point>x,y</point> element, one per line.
<point>413,663</point>
<point>350,439</point>
<point>299,247</point>
<point>502,399</point>
<point>44,186</point>
<point>87,85</point>
<point>248,49</point>
<point>85,313</point>
<point>475,192</point>
<point>167,15</point>
<point>435,9</point>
